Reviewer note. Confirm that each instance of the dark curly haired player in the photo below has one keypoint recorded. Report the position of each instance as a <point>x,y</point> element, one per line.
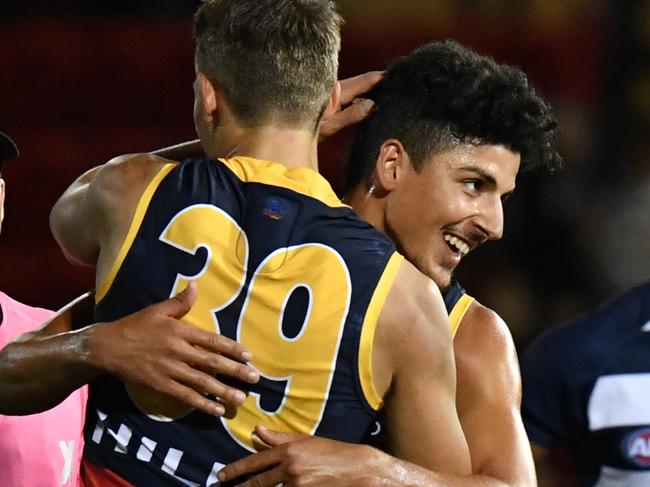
<point>431,167</point>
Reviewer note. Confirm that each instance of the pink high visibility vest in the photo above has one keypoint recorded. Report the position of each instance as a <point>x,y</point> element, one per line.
<point>40,450</point>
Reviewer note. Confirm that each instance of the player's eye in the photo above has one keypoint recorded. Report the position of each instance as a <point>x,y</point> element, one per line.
<point>474,185</point>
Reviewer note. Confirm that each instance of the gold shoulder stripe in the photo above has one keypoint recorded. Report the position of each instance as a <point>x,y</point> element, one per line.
<point>368,331</point>
<point>140,211</point>
<point>299,179</point>
<point>458,312</point>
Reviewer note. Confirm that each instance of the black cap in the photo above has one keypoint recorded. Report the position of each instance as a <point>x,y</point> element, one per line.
<point>8,149</point>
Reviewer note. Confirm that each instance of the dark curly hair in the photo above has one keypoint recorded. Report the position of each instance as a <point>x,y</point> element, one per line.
<point>443,94</point>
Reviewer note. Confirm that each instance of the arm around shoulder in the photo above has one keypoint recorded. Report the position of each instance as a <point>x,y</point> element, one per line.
<point>489,387</point>
<point>414,339</point>
<point>91,209</point>
<point>41,368</point>
<point>489,399</point>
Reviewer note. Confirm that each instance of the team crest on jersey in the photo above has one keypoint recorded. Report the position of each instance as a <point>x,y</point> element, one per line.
<point>636,447</point>
<point>273,209</point>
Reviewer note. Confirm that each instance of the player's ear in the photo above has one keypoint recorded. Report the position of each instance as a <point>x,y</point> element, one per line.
<point>334,103</point>
<point>206,99</point>
<point>388,167</point>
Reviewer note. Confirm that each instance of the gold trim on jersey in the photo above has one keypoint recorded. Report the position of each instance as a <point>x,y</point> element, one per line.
<point>299,179</point>
<point>458,312</point>
<point>140,211</point>
<point>368,331</point>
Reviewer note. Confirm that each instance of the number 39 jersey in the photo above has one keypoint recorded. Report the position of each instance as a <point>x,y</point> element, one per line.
<point>282,266</point>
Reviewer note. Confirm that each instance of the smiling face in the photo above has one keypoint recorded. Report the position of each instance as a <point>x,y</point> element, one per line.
<point>438,215</point>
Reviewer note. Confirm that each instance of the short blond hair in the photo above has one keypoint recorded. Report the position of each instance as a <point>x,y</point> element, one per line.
<point>274,60</point>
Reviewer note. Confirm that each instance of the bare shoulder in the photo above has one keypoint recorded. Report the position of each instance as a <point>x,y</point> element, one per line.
<point>418,346</point>
<point>123,174</point>
<point>115,189</point>
<point>414,301</point>
<point>486,358</point>
<point>482,328</point>
<point>412,325</point>
<point>94,211</point>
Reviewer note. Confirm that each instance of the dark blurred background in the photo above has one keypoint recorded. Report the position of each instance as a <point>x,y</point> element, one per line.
<point>84,81</point>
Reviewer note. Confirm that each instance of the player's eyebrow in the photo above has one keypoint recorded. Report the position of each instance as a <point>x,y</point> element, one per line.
<point>487,177</point>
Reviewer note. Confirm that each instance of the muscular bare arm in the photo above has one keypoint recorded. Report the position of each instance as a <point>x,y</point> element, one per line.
<point>414,339</point>
<point>488,399</point>
<point>41,368</point>
<point>92,217</point>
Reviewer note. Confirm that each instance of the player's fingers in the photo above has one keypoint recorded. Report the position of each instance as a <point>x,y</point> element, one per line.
<point>274,438</point>
<point>177,306</point>
<point>217,364</point>
<point>271,478</point>
<point>249,465</point>
<point>356,86</point>
<point>204,383</point>
<point>214,342</point>
<point>193,399</point>
<point>355,113</point>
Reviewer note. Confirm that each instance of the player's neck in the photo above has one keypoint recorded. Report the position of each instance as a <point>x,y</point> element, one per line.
<point>288,146</point>
<point>367,205</point>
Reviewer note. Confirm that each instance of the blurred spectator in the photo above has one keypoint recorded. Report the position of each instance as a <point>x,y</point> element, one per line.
<point>586,386</point>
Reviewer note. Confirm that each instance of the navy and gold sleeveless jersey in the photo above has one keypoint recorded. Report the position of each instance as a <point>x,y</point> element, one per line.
<point>283,267</point>
<point>457,302</point>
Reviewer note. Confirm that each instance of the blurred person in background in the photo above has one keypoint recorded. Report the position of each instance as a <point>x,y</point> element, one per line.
<point>586,402</point>
<point>39,449</point>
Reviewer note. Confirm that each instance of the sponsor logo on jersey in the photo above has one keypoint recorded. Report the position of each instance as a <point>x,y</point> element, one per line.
<point>636,447</point>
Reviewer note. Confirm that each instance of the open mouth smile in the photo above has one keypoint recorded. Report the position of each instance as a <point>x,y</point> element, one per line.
<point>456,244</point>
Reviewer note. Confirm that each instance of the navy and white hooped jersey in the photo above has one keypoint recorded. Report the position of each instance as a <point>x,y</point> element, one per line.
<point>457,302</point>
<point>283,267</point>
<point>587,385</point>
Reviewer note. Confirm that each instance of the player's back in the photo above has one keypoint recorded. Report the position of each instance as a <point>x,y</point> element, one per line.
<point>281,265</point>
